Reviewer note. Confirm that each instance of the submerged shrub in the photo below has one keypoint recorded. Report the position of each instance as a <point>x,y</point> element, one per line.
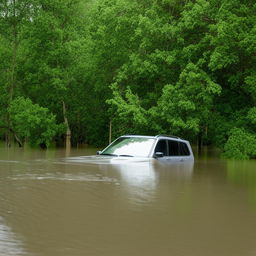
<point>240,145</point>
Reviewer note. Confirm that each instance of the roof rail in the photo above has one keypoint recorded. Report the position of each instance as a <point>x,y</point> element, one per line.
<point>170,136</point>
<point>131,135</point>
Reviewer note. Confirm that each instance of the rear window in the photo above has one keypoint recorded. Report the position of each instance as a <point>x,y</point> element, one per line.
<point>184,151</point>
<point>177,148</point>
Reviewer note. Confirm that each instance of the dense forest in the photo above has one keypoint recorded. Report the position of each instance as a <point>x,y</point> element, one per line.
<point>70,69</point>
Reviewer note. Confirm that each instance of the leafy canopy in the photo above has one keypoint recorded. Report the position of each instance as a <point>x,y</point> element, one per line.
<point>32,122</point>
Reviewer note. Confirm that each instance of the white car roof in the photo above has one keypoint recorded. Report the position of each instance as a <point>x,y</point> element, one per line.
<point>156,137</point>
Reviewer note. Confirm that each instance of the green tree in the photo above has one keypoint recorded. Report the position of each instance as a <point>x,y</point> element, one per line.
<point>180,67</point>
<point>240,145</point>
<point>14,17</point>
<point>53,42</point>
<point>31,122</point>
<point>187,106</point>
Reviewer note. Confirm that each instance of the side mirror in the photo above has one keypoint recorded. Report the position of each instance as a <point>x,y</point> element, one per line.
<point>98,152</point>
<point>158,154</point>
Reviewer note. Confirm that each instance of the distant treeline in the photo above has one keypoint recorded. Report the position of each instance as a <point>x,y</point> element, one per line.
<point>70,68</point>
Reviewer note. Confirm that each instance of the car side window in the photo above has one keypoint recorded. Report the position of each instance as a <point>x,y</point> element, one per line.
<point>161,147</point>
<point>184,151</point>
<point>173,147</point>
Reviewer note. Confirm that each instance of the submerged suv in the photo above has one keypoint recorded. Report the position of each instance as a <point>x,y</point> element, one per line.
<point>161,147</point>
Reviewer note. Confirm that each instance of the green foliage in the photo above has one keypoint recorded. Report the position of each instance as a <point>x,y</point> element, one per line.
<point>187,106</point>
<point>32,122</point>
<point>129,115</point>
<point>240,145</point>
<point>252,115</point>
<point>181,67</point>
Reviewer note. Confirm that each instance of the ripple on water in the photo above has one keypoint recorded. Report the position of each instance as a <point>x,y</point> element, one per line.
<point>9,244</point>
<point>9,161</point>
<point>65,177</point>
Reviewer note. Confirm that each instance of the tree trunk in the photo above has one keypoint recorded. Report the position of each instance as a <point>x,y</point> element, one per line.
<point>200,142</point>
<point>12,78</point>
<point>68,131</point>
<point>110,132</point>
<point>11,131</point>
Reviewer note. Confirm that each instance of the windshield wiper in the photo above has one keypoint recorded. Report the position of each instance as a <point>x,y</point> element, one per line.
<point>126,155</point>
<point>105,154</point>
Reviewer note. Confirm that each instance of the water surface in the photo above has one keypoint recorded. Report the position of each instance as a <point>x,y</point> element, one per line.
<point>52,203</point>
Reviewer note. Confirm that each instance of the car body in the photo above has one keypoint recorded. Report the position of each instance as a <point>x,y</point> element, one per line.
<point>160,147</point>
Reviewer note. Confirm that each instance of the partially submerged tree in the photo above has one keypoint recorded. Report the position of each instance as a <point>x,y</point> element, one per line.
<point>32,123</point>
<point>240,145</point>
<point>180,67</point>
<point>14,16</point>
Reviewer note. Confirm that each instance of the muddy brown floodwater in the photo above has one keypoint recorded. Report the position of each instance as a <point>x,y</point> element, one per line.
<point>54,205</point>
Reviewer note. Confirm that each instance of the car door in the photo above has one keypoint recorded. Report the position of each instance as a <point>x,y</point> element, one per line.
<point>173,150</point>
<point>170,150</point>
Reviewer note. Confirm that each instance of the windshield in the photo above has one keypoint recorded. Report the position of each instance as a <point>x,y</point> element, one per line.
<point>130,146</point>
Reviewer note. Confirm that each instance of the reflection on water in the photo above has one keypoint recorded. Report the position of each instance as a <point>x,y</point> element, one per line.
<point>178,170</point>
<point>139,176</point>
<point>142,179</point>
<point>52,205</point>
<point>9,244</point>
<point>139,180</point>
<point>243,173</point>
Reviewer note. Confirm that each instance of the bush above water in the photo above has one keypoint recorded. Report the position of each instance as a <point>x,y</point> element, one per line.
<point>32,122</point>
<point>240,145</point>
